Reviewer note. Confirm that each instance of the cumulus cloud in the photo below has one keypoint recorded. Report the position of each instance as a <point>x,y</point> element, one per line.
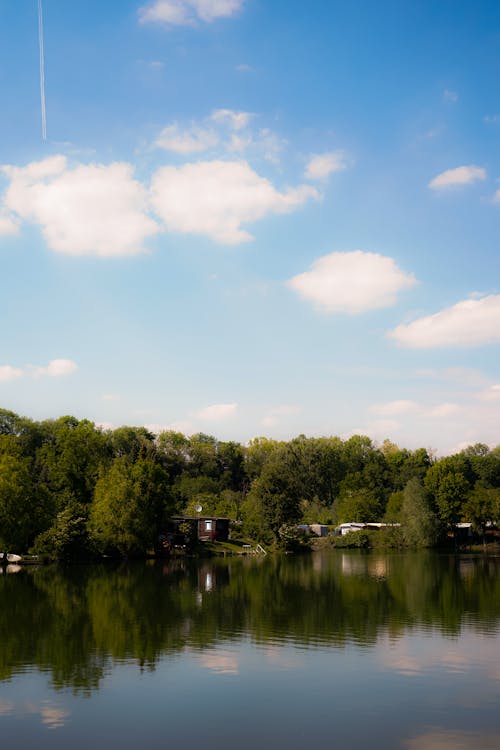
<point>187,12</point>
<point>86,210</point>
<point>472,322</point>
<point>215,198</point>
<point>352,282</point>
<point>224,131</point>
<point>57,368</point>
<point>395,407</point>
<point>217,412</point>
<point>458,177</point>
<point>235,120</point>
<point>321,166</point>
<point>8,225</point>
<point>7,372</point>
<point>490,394</point>
<point>208,133</point>
<point>444,410</point>
<point>191,140</point>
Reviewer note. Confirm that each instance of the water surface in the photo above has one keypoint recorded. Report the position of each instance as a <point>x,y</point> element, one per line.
<point>355,650</point>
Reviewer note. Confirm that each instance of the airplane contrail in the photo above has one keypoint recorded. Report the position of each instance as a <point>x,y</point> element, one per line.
<point>42,70</point>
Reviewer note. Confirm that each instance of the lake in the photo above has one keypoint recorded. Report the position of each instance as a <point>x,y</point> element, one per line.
<point>347,649</point>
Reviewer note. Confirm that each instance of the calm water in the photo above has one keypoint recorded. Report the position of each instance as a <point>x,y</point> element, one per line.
<point>348,649</point>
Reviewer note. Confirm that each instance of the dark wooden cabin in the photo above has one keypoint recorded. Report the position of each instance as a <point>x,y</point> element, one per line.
<point>208,529</point>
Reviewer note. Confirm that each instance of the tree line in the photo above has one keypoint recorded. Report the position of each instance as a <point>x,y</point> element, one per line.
<point>69,488</point>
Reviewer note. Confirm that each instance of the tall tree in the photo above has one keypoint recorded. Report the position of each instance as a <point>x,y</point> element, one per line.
<point>131,502</point>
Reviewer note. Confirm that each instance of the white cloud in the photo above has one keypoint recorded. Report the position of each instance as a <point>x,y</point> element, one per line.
<point>225,130</point>
<point>217,412</point>
<point>321,166</point>
<point>458,177</point>
<point>208,133</point>
<point>157,428</point>
<point>7,373</point>
<point>472,322</point>
<point>444,410</point>
<point>187,12</point>
<point>276,413</point>
<point>395,407</point>
<point>191,140</point>
<point>378,429</point>
<point>57,368</point>
<point>215,198</point>
<point>352,282</point>
<point>235,120</point>
<point>490,394</point>
<point>86,210</point>
<point>8,225</point>
<point>496,197</point>
<point>492,119</point>
<point>111,397</point>
<point>450,96</point>
<point>105,426</point>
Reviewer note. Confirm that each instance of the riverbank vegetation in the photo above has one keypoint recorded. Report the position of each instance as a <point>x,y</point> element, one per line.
<point>69,489</point>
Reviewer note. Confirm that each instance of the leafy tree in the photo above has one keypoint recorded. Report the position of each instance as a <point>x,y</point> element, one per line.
<point>69,460</point>
<point>25,509</point>
<point>131,502</point>
<point>258,453</point>
<point>361,505</point>
<point>133,442</point>
<point>274,499</point>
<point>67,538</point>
<point>419,522</point>
<point>173,447</point>
<point>448,482</point>
<point>482,506</point>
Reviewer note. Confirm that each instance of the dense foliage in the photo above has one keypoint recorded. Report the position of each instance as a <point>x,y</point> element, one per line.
<point>69,488</point>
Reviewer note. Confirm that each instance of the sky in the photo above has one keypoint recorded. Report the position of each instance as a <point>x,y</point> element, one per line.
<point>253,218</point>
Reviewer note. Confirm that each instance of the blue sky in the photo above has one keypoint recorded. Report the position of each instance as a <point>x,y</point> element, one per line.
<point>253,218</point>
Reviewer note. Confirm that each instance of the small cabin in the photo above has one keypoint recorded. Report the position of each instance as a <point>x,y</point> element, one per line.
<point>212,529</point>
<point>208,529</point>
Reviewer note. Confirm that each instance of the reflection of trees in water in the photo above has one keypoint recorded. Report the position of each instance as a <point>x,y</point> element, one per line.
<point>76,622</point>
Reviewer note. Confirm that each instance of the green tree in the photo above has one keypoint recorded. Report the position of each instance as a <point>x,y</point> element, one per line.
<point>419,523</point>
<point>131,502</point>
<point>275,497</point>
<point>481,507</point>
<point>25,509</point>
<point>70,458</point>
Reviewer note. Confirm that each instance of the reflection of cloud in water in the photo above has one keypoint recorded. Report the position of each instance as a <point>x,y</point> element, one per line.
<point>413,655</point>
<point>283,659</point>
<point>6,707</point>
<point>220,662</point>
<point>445,739</point>
<point>51,716</point>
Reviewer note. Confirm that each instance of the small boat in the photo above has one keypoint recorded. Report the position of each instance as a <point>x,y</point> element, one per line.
<point>6,558</point>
